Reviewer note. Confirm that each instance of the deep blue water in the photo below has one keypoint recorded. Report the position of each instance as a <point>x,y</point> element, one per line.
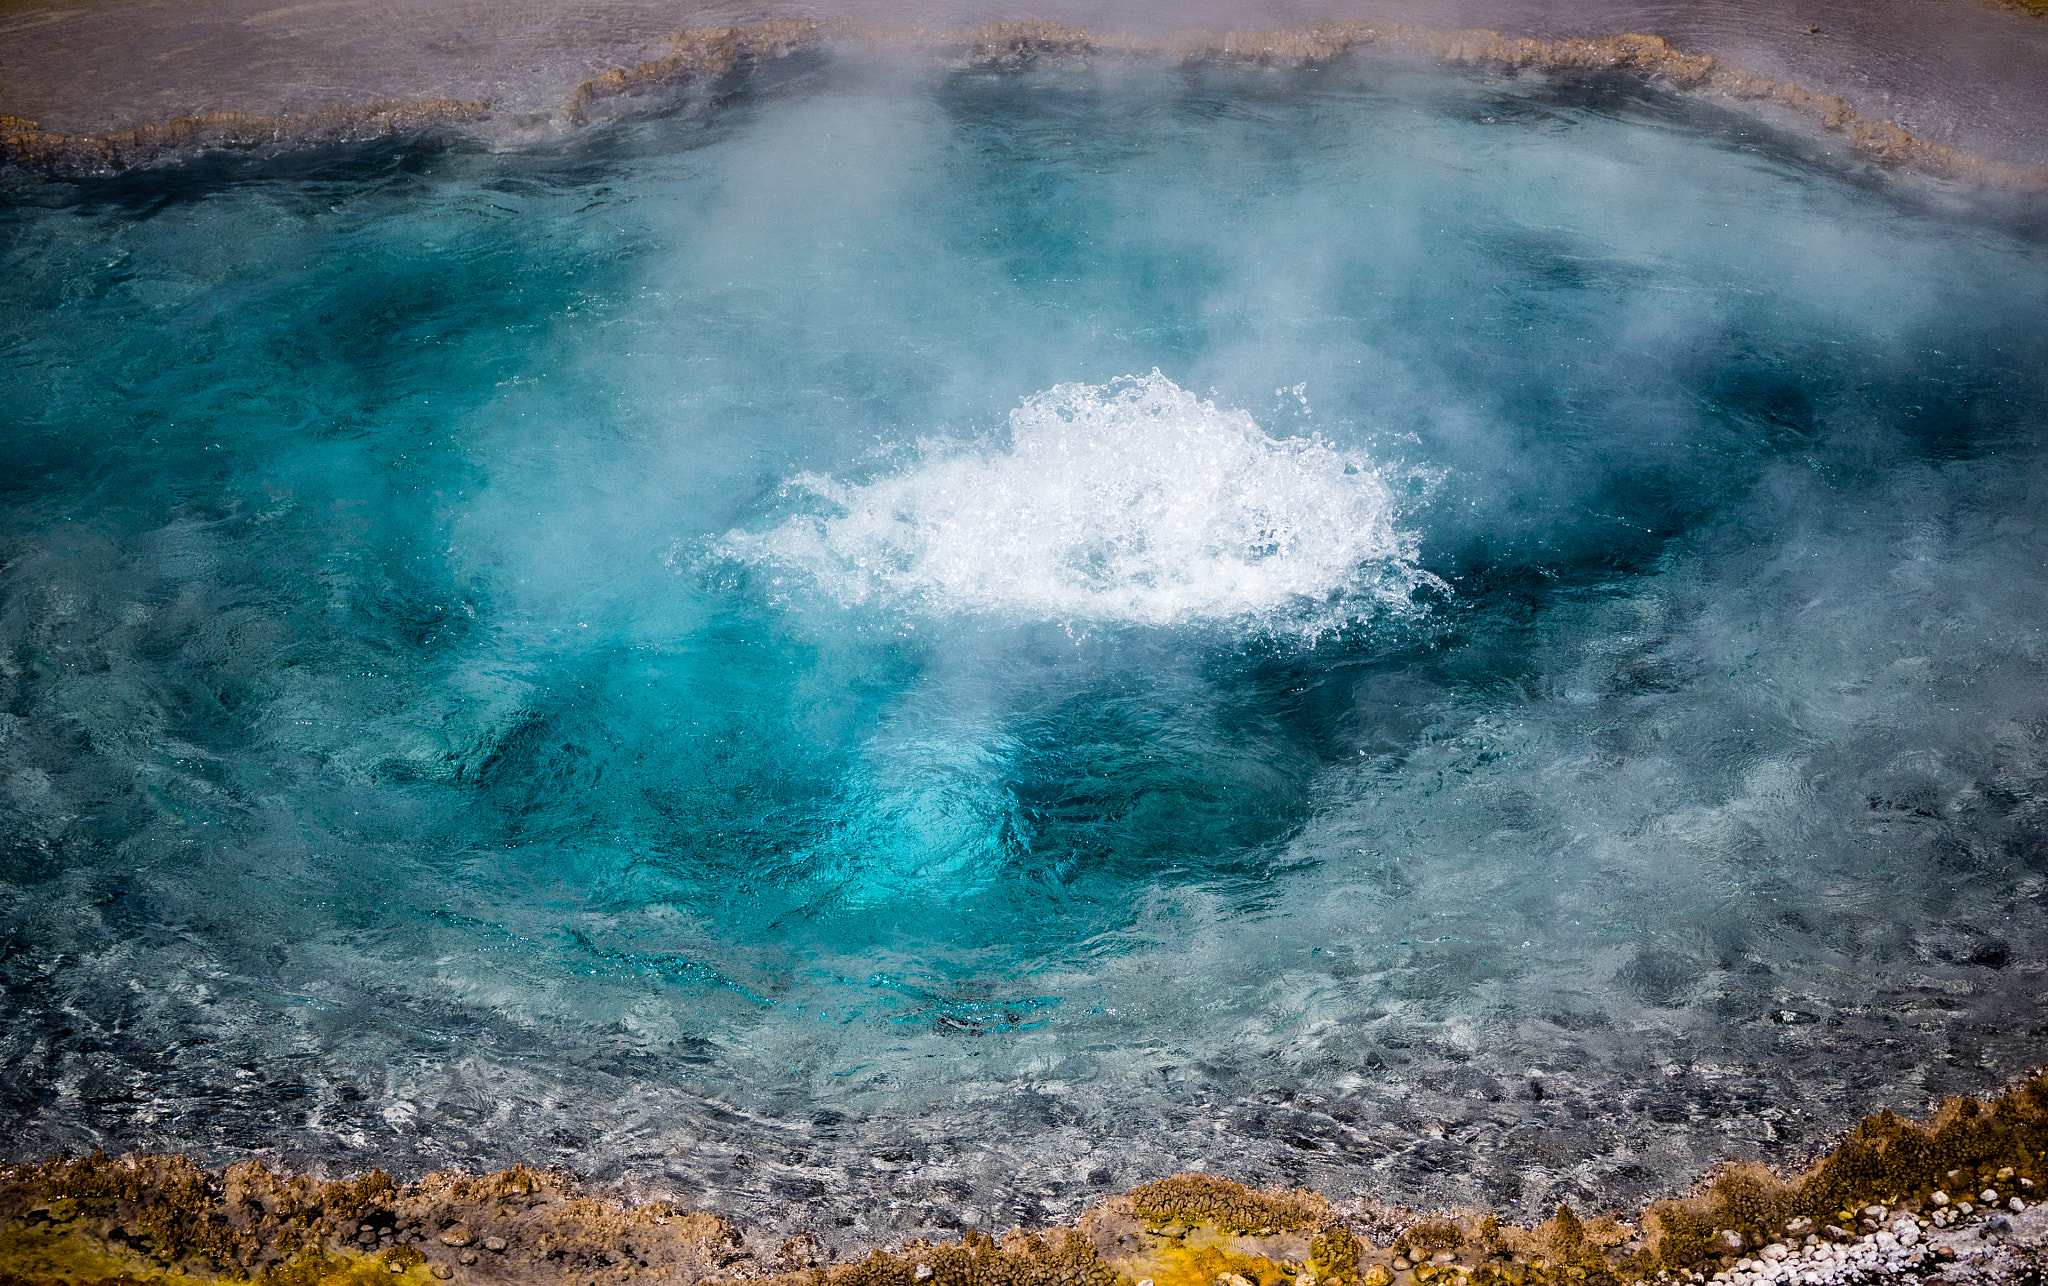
<point>942,641</point>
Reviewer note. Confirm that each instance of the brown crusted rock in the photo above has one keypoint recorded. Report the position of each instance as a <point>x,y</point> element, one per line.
<point>1428,1238</point>
<point>1015,43</point>
<point>1333,1256</point>
<point>700,53</point>
<point>1232,1207</point>
<point>799,1252</point>
<point>22,144</point>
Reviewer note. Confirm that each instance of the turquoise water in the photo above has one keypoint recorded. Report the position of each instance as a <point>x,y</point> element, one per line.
<point>943,641</point>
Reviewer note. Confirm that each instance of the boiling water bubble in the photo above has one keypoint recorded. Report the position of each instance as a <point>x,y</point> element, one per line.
<point>1128,503</point>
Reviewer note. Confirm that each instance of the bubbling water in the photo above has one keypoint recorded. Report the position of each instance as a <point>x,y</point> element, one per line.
<point>372,788</point>
<point>1128,503</point>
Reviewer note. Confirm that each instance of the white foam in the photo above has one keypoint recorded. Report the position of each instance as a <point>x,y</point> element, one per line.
<point>1129,503</point>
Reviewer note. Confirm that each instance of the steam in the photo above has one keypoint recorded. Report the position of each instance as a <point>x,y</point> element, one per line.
<point>1128,503</point>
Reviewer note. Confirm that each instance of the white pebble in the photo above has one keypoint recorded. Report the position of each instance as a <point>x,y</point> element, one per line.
<point>1938,1197</point>
<point>2017,1205</point>
<point>1989,1197</point>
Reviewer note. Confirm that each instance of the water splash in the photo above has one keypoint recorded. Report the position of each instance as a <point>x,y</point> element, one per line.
<point>1128,503</point>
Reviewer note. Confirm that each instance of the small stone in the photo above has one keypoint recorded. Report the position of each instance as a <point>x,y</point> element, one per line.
<point>2017,1206</point>
<point>1938,1197</point>
<point>397,1268</point>
<point>466,1258</point>
<point>1377,1275</point>
<point>1873,1212</point>
<point>1726,1242</point>
<point>1798,1227</point>
<point>2004,1173</point>
<point>443,1272</point>
<point>2027,1184</point>
<point>1989,1196</point>
<point>1401,1264</point>
<point>1966,1207</point>
<point>923,1272</point>
<point>459,1235</point>
<point>1834,1233</point>
<point>496,1245</point>
<point>1443,1257</point>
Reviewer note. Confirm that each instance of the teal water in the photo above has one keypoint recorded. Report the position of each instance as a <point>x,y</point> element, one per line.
<point>943,641</point>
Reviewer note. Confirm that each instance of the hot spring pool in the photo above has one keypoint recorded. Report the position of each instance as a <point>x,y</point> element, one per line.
<point>904,646</point>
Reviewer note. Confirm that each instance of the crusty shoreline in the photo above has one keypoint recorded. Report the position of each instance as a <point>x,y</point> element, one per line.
<point>707,55</point>
<point>1954,1197</point>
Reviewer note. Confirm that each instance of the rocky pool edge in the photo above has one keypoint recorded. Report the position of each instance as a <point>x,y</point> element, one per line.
<point>709,56</point>
<point>1961,1197</point>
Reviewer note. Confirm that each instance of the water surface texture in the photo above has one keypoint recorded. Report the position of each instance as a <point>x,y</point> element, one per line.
<point>906,646</point>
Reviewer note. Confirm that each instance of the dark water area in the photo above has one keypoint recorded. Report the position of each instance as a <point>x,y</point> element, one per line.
<point>904,646</point>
